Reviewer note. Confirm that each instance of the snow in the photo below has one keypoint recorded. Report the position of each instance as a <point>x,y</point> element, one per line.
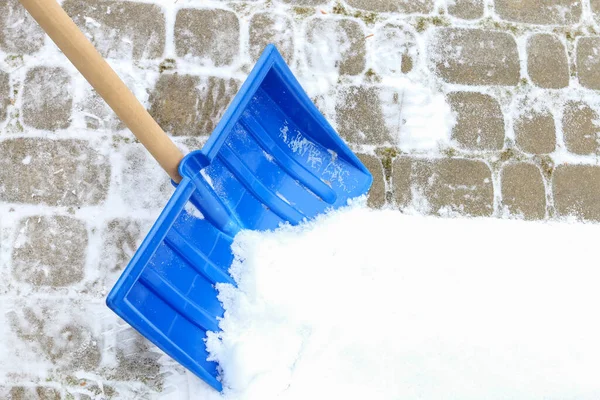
<point>383,305</point>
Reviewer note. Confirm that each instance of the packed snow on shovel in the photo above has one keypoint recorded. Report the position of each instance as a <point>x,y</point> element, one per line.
<point>364,304</point>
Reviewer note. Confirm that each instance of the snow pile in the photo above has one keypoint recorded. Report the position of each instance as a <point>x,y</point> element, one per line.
<point>365,304</point>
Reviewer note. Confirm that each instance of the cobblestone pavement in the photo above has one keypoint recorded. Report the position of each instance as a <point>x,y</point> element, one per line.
<point>78,193</point>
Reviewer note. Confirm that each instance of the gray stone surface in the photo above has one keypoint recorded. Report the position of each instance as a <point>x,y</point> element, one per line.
<point>19,33</point>
<point>581,131</point>
<point>187,105</point>
<point>47,98</point>
<point>595,6</point>
<point>52,172</point>
<point>402,6</point>
<point>143,181</point>
<point>30,393</point>
<point>575,189</point>
<point>267,28</point>
<point>58,331</point>
<point>304,2</point>
<point>480,122</point>
<point>377,193</point>
<point>523,191</point>
<point>474,56</point>
<point>322,47</point>
<point>466,9</point>
<point>396,49</point>
<point>120,239</point>
<point>120,29</point>
<point>535,133</point>
<point>547,63</point>
<point>4,94</point>
<point>443,187</point>
<point>360,116</point>
<point>50,251</point>
<point>210,35</point>
<point>588,62</point>
<point>545,12</point>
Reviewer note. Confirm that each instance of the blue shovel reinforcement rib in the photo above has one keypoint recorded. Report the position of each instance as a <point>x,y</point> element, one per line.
<point>272,159</point>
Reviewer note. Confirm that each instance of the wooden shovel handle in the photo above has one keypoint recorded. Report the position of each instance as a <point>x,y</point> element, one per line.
<point>73,43</point>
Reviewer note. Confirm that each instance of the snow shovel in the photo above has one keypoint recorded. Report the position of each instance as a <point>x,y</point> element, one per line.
<point>272,159</point>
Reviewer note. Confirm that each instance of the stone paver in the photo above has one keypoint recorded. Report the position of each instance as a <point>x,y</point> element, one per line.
<point>59,331</point>
<point>143,184</point>
<point>581,131</point>
<point>396,49</point>
<point>466,9</point>
<point>443,187</point>
<point>377,192</point>
<point>19,33</point>
<point>49,251</point>
<point>266,28</point>
<point>52,172</point>
<point>120,238</point>
<point>535,132</point>
<point>30,393</point>
<point>323,52</point>
<point>588,62</point>
<point>210,35</point>
<point>187,105</point>
<point>304,2</point>
<point>474,56</point>
<point>523,191</point>
<point>4,94</point>
<point>575,189</point>
<point>360,116</point>
<point>120,29</point>
<point>480,122</point>
<point>544,12</point>
<point>595,6</point>
<point>47,98</point>
<point>547,63</point>
<point>404,7</point>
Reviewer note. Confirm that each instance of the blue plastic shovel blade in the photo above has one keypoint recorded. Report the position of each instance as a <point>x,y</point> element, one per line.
<point>272,159</point>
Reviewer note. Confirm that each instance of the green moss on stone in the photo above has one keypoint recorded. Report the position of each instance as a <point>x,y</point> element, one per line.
<point>167,64</point>
<point>303,11</point>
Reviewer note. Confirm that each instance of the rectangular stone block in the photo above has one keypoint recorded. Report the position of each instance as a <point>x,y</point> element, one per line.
<point>466,9</point>
<point>49,251</point>
<point>447,187</point>
<point>543,12</point>
<point>581,128</point>
<point>479,122</point>
<point>52,172</point>
<point>62,335</point>
<point>187,105</point>
<point>360,118</point>
<point>575,189</point>
<point>30,393</point>
<point>145,184</point>
<point>547,63</point>
<point>120,29</point>
<point>47,98</point>
<point>376,197</point>
<point>335,45</point>
<point>535,132</point>
<point>474,56</point>
<point>19,33</point>
<point>394,6</point>
<point>588,62</point>
<point>4,94</point>
<point>523,191</point>
<point>267,28</point>
<point>213,36</point>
